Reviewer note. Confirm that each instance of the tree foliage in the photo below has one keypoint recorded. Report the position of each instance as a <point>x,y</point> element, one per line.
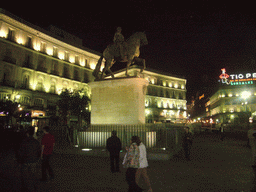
<point>74,103</point>
<point>9,108</point>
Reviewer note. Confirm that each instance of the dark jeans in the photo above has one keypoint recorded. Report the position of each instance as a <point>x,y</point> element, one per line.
<point>28,176</point>
<point>46,167</point>
<point>130,178</point>
<point>222,135</point>
<point>187,148</point>
<point>114,162</point>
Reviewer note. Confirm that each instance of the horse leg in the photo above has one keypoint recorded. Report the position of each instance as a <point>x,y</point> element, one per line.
<point>102,74</point>
<point>140,60</point>
<point>111,73</point>
<point>129,62</point>
<point>108,65</point>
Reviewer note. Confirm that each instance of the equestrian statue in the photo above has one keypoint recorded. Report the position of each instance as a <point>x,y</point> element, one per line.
<point>123,51</point>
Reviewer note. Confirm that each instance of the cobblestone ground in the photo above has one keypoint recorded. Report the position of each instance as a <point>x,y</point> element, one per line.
<point>215,166</point>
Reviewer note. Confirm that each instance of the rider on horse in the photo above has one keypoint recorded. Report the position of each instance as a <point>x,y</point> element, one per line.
<point>121,44</point>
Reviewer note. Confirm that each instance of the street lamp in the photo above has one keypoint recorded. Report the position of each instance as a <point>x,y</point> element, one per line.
<point>245,94</point>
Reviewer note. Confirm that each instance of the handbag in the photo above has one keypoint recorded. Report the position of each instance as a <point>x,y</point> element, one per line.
<point>131,158</point>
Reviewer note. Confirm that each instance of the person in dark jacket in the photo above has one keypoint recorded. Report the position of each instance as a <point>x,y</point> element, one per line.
<point>28,155</point>
<point>114,146</point>
<point>187,143</point>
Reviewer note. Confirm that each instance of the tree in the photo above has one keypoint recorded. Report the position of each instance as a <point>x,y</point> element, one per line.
<point>8,108</point>
<point>74,103</point>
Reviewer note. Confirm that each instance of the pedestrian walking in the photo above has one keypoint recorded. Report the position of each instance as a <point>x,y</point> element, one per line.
<point>252,142</point>
<point>187,143</point>
<point>132,163</point>
<point>114,146</point>
<point>29,156</point>
<point>222,131</point>
<point>48,142</point>
<point>142,170</point>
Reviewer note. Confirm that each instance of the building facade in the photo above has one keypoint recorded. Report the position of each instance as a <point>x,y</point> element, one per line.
<point>235,100</point>
<point>165,98</point>
<point>36,64</point>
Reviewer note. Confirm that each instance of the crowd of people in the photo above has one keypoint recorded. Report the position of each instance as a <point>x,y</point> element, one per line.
<point>30,153</point>
<point>135,161</point>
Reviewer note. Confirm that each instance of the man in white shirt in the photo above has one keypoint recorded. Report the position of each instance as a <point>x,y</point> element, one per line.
<point>143,167</point>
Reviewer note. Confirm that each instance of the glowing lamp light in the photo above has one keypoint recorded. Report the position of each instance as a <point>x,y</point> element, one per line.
<point>37,47</point>
<point>3,34</point>
<point>33,86</point>
<point>49,51</point>
<point>61,55</point>
<point>176,85</point>
<point>93,65</point>
<point>20,41</point>
<point>86,149</point>
<point>72,59</point>
<point>245,94</point>
<point>82,63</point>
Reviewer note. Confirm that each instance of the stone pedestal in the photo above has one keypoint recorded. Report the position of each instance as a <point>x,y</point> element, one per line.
<point>118,101</point>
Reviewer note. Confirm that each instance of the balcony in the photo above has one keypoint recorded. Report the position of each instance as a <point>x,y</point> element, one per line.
<point>42,69</point>
<point>54,72</point>
<point>9,59</point>
<point>8,83</point>
<point>28,65</point>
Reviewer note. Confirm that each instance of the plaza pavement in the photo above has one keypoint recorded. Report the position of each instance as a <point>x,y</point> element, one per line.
<point>214,166</point>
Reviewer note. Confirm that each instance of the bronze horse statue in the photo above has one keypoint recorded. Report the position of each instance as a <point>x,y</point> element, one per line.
<point>112,54</point>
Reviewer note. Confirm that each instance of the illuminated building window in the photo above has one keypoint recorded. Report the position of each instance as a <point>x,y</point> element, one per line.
<point>43,47</point>
<point>53,88</point>
<point>55,52</point>
<point>25,82</point>
<point>66,56</point>
<point>11,35</point>
<point>76,59</point>
<point>40,86</point>
<point>86,63</point>
<point>29,42</point>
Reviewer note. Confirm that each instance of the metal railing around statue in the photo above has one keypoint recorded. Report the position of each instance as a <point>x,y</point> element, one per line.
<point>154,136</point>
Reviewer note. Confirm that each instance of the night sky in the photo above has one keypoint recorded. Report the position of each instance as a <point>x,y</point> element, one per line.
<point>193,39</point>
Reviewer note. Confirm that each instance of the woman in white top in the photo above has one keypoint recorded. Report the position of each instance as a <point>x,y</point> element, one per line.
<point>143,166</point>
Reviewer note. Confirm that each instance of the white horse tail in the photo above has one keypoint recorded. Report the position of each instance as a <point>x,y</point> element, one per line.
<point>97,68</point>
